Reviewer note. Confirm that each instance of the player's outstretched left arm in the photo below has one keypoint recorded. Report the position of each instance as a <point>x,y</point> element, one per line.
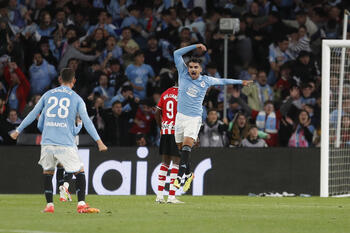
<point>29,119</point>
<point>226,81</point>
<point>89,126</point>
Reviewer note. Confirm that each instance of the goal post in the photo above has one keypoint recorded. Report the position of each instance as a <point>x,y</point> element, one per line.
<point>335,153</point>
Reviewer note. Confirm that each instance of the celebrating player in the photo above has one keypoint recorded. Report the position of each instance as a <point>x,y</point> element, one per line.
<point>59,108</point>
<point>165,117</point>
<point>192,89</point>
<point>62,177</point>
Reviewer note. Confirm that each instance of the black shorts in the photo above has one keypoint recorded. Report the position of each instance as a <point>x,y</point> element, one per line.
<point>168,145</point>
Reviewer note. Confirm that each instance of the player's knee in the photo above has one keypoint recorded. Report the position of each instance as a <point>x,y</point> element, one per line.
<point>48,172</point>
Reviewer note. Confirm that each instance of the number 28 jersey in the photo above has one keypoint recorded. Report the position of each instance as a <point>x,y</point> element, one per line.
<point>168,105</point>
<point>59,108</point>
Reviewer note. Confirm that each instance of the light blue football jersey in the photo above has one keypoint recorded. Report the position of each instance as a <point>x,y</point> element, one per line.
<point>59,108</point>
<point>192,92</point>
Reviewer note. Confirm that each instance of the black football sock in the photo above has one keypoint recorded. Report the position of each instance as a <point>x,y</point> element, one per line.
<point>59,176</point>
<point>80,186</point>
<point>48,187</point>
<point>184,163</point>
<point>68,177</point>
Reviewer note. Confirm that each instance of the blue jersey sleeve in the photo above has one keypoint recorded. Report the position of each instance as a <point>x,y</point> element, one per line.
<point>32,115</point>
<point>179,61</point>
<point>217,81</point>
<point>40,124</point>
<point>89,126</point>
<point>77,129</point>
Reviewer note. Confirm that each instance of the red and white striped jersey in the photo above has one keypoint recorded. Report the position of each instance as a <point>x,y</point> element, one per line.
<point>168,105</point>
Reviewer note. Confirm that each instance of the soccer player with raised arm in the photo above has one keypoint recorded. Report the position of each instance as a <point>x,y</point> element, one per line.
<point>192,89</point>
<point>59,108</point>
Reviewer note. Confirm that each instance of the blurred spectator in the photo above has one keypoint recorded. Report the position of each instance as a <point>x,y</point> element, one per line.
<point>125,97</point>
<point>168,75</point>
<point>112,51</point>
<point>304,69</point>
<point>6,126</point>
<point>16,13</point>
<point>19,87</point>
<point>141,140</point>
<point>302,19</point>
<point>284,82</point>
<point>139,74</point>
<point>132,20</point>
<point>154,55</point>
<point>45,51</point>
<point>144,119</point>
<point>278,55</point>
<point>118,125</point>
<point>116,75</point>
<point>128,45</point>
<point>96,113</point>
<point>198,23</point>
<point>45,27</point>
<point>213,131</point>
<point>102,19</point>
<point>299,41</point>
<point>259,92</point>
<point>105,91</point>
<point>306,95</point>
<point>72,51</point>
<point>168,28</point>
<point>303,131</point>
<point>252,139</point>
<point>94,43</point>
<point>118,8</point>
<point>267,120</point>
<point>41,74</point>
<point>238,129</point>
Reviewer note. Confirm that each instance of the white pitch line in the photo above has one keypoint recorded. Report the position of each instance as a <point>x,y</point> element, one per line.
<point>26,231</point>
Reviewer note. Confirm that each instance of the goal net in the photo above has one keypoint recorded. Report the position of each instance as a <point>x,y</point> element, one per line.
<point>335,123</point>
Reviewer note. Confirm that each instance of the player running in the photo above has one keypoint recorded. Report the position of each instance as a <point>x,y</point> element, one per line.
<point>192,89</point>
<point>59,107</point>
<point>165,117</point>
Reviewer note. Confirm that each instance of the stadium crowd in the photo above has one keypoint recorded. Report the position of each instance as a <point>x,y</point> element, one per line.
<point>122,54</point>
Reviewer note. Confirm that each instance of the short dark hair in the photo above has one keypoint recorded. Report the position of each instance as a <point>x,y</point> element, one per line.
<point>194,60</point>
<point>138,53</point>
<point>211,110</point>
<point>198,11</point>
<point>116,102</point>
<point>126,88</point>
<point>67,75</point>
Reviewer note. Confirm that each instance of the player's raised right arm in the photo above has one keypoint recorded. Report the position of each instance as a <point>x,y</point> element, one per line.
<point>89,126</point>
<point>179,61</point>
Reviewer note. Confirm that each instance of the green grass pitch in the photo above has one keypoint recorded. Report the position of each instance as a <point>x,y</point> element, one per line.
<point>22,213</point>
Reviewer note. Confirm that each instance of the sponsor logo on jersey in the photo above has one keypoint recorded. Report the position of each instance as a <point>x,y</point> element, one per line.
<point>56,124</point>
<point>192,92</point>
